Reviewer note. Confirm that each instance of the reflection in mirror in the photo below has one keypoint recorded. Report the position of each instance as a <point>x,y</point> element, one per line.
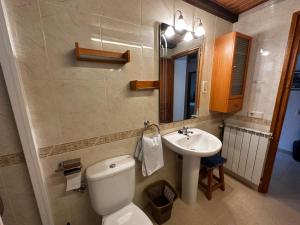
<point>178,74</point>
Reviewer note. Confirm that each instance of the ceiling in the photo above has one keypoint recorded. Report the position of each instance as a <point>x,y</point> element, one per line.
<point>238,6</point>
<point>226,9</point>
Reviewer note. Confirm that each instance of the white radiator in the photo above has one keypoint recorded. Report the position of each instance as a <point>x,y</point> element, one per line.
<point>245,150</point>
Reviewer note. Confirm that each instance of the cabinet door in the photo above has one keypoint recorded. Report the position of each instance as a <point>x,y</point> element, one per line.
<point>239,66</point>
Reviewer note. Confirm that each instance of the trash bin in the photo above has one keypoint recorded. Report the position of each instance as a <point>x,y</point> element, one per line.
<point>161,196</point>
<point>296,150</point>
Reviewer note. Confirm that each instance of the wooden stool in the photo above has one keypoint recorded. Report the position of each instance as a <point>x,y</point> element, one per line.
<point>208,164</point>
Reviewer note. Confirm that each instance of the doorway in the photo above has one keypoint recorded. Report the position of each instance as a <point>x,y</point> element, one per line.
<point>282,101</point>
<point>185,78</point>
<point>285,180</point>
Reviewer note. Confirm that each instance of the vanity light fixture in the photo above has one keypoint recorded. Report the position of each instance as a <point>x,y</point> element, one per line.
<point>199,29</point>
<point>188,36</point>
<point>170,32</point>
<point>180,23</point>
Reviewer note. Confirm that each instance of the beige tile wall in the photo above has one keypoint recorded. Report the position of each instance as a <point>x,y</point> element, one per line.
<point>9,138</point>
<point>246,121</point>
<point>70,100</point>
<point>19,201</point>
<point>15,186</point>
<point>269,25</point>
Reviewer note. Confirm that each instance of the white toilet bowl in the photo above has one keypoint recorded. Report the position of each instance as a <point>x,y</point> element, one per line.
<point>128,215</point>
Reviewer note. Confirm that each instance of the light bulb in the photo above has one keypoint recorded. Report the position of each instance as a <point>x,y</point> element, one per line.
<point>199,31</point>
<point>180,23</point>
<point>169,32</point>
<point>188,36</point>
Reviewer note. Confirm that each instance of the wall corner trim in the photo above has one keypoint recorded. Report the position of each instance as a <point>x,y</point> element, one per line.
<point>18,102</point>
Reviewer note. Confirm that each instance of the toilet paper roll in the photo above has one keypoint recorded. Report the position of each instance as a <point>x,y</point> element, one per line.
<point>73,181</point>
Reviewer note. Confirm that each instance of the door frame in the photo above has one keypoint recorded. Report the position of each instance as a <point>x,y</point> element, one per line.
<point>292,50</point>
<point>15,89</point>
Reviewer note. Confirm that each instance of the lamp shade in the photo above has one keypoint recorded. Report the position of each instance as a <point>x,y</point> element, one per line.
<point>169,32</point>
<point>188,36</point>
<point>199,31</point>
<point>180,23</point>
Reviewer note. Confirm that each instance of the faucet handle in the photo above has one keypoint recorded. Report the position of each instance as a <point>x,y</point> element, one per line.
<point>182,130</point>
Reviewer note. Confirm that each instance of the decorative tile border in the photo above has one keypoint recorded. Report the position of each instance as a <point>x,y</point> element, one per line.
<point>87,143</point>
<point>17,158</point>
<point>90,142</point>
<point>11,159</point>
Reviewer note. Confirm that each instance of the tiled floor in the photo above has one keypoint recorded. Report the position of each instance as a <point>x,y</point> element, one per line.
<point>285,183</point>
<point>240,205</point>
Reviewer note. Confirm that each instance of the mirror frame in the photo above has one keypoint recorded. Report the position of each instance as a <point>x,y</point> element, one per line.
<point>200,59</point>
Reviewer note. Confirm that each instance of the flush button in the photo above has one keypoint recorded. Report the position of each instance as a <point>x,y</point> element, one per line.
<point>112,165</point>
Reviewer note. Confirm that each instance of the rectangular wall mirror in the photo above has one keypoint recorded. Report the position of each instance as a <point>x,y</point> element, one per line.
<point>179,75</point>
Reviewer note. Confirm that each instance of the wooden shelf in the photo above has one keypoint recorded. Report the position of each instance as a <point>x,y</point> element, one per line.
<point>84,54</point>
<point>136,85</point>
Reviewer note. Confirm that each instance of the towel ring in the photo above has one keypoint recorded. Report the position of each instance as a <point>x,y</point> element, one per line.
<point>147,126</point>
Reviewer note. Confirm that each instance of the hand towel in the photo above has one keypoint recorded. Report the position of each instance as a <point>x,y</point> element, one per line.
<point>149,151</point>
<point>138,154</point>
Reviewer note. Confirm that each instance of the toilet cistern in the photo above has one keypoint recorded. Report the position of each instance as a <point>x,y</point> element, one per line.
<point>114,202</point>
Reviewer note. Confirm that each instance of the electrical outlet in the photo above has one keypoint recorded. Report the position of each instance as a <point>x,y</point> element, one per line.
<point>256,114</point>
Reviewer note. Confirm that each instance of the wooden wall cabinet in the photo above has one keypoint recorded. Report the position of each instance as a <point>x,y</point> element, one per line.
<point>231,56</point>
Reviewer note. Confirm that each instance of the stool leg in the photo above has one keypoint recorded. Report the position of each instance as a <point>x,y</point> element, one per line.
<point>203,173</point>
<point>209,184</point>
<point>221,174</point>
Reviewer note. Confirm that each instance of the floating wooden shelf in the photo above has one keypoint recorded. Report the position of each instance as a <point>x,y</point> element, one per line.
<point>136,85</point>
<point>84,54</point>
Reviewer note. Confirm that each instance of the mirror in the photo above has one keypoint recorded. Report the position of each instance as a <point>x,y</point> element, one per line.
<point>179,64</point>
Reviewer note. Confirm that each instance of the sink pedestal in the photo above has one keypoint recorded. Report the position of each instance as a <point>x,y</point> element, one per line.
<point>190,177</point>
<point>198,144</point>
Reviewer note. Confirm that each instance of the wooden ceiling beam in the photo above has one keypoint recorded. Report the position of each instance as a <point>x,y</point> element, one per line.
<point>239,6</point>
<point>214,9</point>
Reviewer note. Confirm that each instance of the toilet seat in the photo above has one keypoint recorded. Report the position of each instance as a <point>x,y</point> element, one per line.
<point>128,215</point>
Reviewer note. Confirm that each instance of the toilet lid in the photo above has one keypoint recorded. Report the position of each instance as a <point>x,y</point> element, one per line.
<point>128,215</point>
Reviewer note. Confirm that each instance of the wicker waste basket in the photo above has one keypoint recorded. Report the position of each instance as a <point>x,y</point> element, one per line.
<point>161,196</point>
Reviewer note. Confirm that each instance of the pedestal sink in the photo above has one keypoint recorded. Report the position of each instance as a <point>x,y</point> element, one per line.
<point>192,147</point>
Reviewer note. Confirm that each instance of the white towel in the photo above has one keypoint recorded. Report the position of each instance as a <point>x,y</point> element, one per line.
<point>149,151</point>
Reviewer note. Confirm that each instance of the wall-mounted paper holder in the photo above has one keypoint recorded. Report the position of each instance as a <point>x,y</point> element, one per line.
<point>69,166</point>
<point>71,169</point>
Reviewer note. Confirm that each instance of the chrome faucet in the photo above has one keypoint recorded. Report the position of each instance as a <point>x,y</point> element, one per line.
<point>185,131</point>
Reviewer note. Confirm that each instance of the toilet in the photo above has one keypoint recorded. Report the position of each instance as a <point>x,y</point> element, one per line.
<point>111,186</point>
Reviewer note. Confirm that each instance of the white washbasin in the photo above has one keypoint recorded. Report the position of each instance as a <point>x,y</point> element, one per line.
<point>197,144</point>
